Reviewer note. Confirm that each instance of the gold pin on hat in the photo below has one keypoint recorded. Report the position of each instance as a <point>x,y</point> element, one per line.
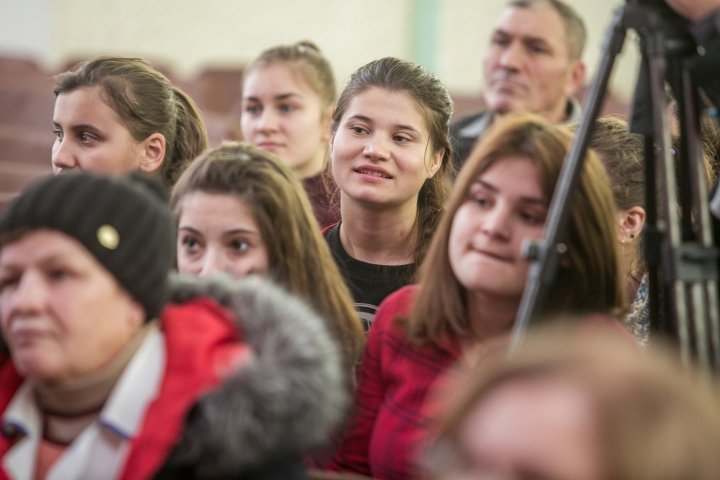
<point>108,237</point>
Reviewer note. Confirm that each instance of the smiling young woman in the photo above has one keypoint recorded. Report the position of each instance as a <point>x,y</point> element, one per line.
<point>471,284</point>
<point>390,153</point>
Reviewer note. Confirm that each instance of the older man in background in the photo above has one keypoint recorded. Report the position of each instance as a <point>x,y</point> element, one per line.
<point>533,65</point>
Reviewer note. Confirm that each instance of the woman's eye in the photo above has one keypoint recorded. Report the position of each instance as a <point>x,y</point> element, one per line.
<point>190,244</point>
<point>252,108</point>
<point>58,134</point>
<point>482,201</point>
<point>401,138</point>
<point>57,274</point>
<point>532,218</point>
<point>357,129</point>
<point>87,137</point>
<point>286,107</point>
<point>240,245</point>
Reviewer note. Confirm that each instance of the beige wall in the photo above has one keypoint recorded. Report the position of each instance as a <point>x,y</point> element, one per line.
<point>187,35</point>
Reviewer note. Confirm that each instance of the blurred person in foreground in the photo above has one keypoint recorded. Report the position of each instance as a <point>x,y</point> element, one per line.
<point>570,407</point>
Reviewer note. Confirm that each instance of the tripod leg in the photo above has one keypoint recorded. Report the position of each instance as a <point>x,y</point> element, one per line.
<point>542,271</point>
<point>667,180</point>
<point>697,217</point>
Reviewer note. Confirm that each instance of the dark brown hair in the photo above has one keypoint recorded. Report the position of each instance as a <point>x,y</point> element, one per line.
<point>146,102</point>
<point>397,75</point>
<point>623,154</point>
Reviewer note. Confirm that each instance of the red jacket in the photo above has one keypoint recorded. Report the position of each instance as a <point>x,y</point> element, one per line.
<point>200,339</point>
<point>399,389</point>
<point>391,418</point>
<point>284,402</point>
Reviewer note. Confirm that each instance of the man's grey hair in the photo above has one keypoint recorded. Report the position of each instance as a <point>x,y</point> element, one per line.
<point>575,31</point>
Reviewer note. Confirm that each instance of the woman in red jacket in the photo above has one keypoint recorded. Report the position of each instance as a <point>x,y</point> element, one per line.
<point>101,359</point>
<point>471,284</point>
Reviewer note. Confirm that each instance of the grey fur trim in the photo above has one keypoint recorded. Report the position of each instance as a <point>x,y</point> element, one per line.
<point>287,401</point>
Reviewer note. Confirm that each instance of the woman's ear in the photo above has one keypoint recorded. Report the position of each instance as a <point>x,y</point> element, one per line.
<point>631,223</point>
<point>436,163</point>
<point>153,153</point>
<point>135,314</point>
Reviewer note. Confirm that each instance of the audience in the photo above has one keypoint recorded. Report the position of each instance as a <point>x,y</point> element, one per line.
<point>241,211</point>
<point>534,64</point>
<point>288,98</point>
<point>101,358</point>
<point>112,366</point>
<point>390,157</point>
<point>471,284</point>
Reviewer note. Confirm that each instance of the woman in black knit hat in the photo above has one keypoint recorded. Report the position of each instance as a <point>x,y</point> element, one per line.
<point>106,368</point>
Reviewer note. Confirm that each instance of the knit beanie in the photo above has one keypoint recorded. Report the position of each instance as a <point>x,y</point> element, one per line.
<point>124,222</point>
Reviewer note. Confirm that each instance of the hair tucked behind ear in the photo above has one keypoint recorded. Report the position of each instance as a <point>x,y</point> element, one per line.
<point>147,103</point>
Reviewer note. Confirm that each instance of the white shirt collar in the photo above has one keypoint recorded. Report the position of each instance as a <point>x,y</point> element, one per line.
<point>122,414</point>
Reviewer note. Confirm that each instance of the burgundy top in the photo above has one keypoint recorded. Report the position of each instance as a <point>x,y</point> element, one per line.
<point>320,190</point>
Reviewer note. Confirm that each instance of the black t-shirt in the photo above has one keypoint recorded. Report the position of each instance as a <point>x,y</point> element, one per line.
<point>369,283</point>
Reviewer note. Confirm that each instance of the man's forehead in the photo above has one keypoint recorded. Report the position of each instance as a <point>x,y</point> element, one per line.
<point>538,21</point>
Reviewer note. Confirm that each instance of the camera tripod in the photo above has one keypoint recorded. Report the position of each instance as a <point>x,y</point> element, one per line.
<point>678,245</point>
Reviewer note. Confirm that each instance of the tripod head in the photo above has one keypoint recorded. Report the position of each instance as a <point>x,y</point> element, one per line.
<point>657,15</point>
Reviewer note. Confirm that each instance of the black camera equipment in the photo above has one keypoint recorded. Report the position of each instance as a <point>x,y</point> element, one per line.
<point>678,245</point>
